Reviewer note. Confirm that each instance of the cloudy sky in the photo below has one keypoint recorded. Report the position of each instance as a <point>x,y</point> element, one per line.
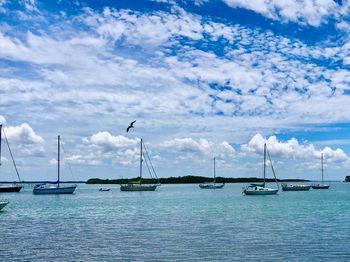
<point>202,78</point>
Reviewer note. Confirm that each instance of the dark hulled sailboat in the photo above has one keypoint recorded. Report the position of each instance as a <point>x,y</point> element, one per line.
<point>55,188</point>
<point>321,186</point>
<point>9,188</point>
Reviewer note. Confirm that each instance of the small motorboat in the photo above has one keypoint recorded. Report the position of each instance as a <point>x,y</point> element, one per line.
<point>104,189</point>
<point>3,203</point>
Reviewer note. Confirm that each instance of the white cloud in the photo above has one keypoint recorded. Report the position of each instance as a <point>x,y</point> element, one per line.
<point>108,142</point>
<point>82,160</point>
<point>2,120</point>
<point>173,69</point>
<point>292,149</point>
<point>24,139</point>
<point>103,145</point>
<point>310,12</point>
<point>199,148</point>
<point>23,134</point>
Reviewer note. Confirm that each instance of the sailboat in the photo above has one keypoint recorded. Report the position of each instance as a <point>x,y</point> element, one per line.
<point>295,187</point>
<point>139,186</point>
<point>55,188</point>
<point>9,188</point>
<point>321,186</point>
<point>261,189</point>
<point>3,203</point>
<point>212,185</point>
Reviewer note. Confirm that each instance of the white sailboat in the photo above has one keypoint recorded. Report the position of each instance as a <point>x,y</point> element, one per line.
<point>9,188</point>
<point>261,189</point>
<point>55,188</point>
<point>322,185</point>
<point>139,186</point>
<point>295,187</point>
<point>213,185</point>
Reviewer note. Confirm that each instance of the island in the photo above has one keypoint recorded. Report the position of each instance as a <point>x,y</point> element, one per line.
<point>189,180</point>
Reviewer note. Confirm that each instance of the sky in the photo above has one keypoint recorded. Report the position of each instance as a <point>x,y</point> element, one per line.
<point>201,78</point>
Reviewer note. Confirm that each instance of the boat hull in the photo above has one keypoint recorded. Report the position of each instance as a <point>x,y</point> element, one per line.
<point>138,188</point>
<point>10,189</point>
<point>256,191</point>
<point>320,186</point>
<point>3,203</point>
<point>211,186</point>
<point>296,188</point>
<point>54,190</point>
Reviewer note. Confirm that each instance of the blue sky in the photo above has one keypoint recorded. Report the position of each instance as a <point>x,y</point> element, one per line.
<point>202,79</point>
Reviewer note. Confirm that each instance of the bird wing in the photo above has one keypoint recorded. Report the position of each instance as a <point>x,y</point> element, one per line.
<point>127,130</point>
<point>133,122</point>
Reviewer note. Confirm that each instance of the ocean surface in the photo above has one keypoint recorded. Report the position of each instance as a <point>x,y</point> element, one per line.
<point>176,223</point>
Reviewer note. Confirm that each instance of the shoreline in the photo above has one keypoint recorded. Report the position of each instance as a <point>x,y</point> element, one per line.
<point>189,180</point>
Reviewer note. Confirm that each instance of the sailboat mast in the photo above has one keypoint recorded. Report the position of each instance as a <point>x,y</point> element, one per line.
<point>58,160</point>
<point>0,142</point>
<point>13,159</point>
<point>264,162</point>
<point>214,172</point>
<point>322,166</point>
<point>141,161</point>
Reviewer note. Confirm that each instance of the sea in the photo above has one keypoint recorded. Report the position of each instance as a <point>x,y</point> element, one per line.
<point>176,223</point>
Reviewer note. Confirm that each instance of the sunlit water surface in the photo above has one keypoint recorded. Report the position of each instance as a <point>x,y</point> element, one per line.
<point>176,223</point>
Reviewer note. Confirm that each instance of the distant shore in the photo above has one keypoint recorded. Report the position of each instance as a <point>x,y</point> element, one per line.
<point>189,180</point>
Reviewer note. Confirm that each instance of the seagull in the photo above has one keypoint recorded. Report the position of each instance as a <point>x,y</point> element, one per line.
<point>130,126</point>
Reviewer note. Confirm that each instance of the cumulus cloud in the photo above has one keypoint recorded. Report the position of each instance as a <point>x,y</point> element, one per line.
<point>24,139</point>
<point>108,142</point>
<point>173,68</point>
<point>199,148</point>
<point>292,149</point>
<point>2,120</point>
<point>23,134</point>
<point>103,145</point>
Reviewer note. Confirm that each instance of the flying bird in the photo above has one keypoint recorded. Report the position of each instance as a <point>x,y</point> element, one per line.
<point>130,126</point>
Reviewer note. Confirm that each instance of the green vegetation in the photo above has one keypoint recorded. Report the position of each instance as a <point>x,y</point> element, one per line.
<point>187,180</point>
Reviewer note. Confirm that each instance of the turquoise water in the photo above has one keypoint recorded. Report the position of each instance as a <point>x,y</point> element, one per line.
<point>177,223</point>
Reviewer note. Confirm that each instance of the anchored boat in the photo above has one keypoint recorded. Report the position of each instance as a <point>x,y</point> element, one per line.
<point>3,203</point>
<point>213,185</point>
<point>139,186</point>
<point>295,187</point>
<point>55,188</point>
<point>322,185</point>
<point>261,189</point>
<point>9,188</point>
